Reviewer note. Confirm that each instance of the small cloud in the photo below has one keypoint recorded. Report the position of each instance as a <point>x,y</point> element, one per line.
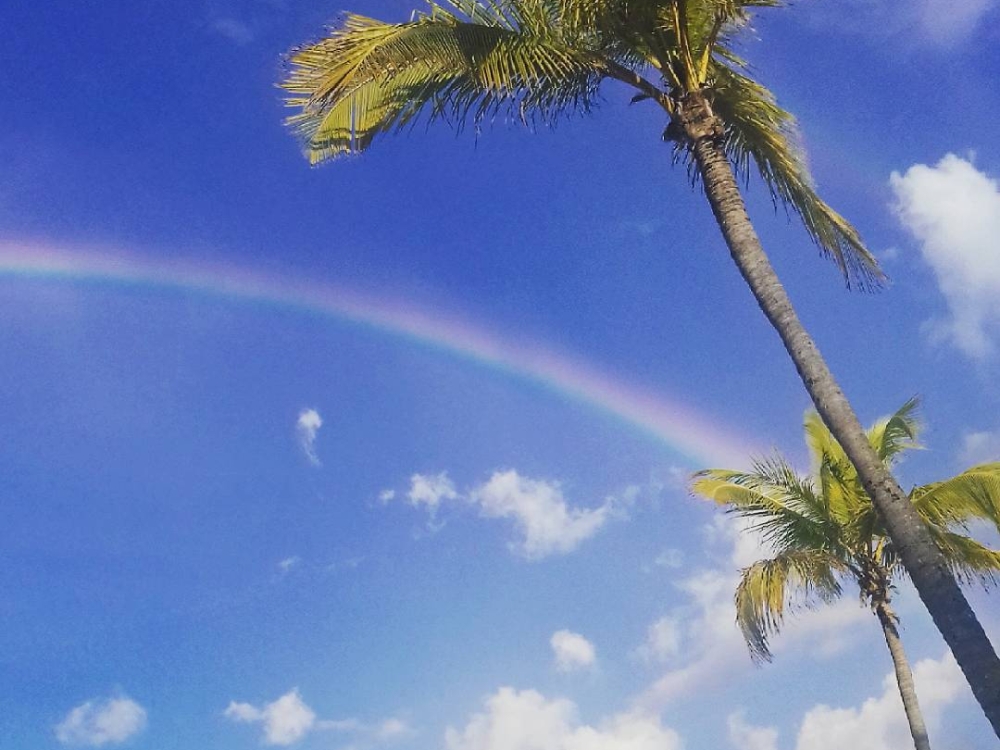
<point>288,563</point>
<point>952,209</point>
<point>233,29</point>
<point>105,721</point>
<point>306,427</point>
<point>430,491</point>
<point>669,558</point>
<point>285,721</point>
<point>663,641</point>
<point>386,496</point>
<point>979,448</point>
<point>393,729</point>
<point>546,523</point>
<point>572,651</point>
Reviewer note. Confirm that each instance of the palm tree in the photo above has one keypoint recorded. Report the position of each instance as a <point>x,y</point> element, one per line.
<point>824,530</point>
<point>537,60</point>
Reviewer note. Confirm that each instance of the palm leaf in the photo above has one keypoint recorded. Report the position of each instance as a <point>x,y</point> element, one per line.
<point>770,587</point>
<point>891,436</point>
<point>973,494</point>
<point>758,130</point>
<point>969,560</point>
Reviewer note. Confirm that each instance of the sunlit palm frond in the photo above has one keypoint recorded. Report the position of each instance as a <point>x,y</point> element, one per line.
<point>779,504</point>
<point>369,77</point>
<point>973,494</point>
<point>769,587</point>
<point>758,130</point>
<point>891,436</point>
<point>969,560</point>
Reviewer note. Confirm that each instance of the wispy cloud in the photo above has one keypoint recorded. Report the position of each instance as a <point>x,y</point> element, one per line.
<point>979,448</point>
<point>935,24</point>
<point>233,29</point>
<point>429,491</point>
<point>102,721</point>
<point>952,209</point>
<point>306,428</point>
<point>572,651</point>
<point>288,563</point>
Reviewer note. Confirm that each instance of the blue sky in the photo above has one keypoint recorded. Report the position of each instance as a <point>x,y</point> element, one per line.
<point>234,521</point>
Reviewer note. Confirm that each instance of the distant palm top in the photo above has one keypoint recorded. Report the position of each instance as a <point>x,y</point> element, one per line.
<point>824,530</point>
<point>536,60</point>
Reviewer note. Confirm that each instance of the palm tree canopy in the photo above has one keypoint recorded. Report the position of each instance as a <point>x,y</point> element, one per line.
<point>824,527</point>
<point>538,60</point>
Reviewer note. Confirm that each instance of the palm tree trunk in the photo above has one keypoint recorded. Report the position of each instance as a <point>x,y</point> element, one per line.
<point>923,561</point>
<point>904,677</point>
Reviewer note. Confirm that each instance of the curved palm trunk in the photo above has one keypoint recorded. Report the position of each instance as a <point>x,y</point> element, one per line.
<point>923,561</point>
<point>904,677</point>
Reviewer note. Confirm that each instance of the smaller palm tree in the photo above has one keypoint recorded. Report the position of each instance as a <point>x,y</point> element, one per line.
<point>824,531</point>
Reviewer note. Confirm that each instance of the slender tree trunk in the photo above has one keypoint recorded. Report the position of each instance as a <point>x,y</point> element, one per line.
<point>904,677</point>
<point>923,561</point>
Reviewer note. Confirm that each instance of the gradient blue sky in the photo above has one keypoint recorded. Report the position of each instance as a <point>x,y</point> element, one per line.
<point>230,523</point>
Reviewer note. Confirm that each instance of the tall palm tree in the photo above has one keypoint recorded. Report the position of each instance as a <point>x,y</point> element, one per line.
<point>536,60</point>
<point>824,530</point>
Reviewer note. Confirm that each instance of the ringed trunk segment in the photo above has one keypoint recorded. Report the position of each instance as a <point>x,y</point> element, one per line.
<point>923,561</point>
<point>904,677</point>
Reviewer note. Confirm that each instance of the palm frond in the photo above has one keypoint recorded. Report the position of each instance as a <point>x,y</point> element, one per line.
<point>368,78</point>
<point>758,130</point>
<point>891,436</point>
<point>770,587</point>
<point>969,560</point>
<point>973,494</point>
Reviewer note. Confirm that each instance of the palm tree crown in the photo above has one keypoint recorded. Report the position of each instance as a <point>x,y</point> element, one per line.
<point>537,60</point>
<point>824,529</point>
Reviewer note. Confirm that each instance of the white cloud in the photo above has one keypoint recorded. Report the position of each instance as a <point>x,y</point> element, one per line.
<point>572,651</point>
<point>393,729</point>
<point>953,210</point>
<point>979,448</point>
<point>880,723</point>
<point>744,736</point>
<point>663,641</point>
<point>430,491</point>
<point>669,558</point>
<point>288,563</point>
<point>102,722</point>
<point>386,496</point>
<point>526,720</point>
<point>285,721</point>
<point>306,427</point>
<point>546,524</point>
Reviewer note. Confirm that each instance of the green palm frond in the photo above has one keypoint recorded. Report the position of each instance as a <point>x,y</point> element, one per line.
<point>973,494</point>
<point>891,436</point>
<point>770,587</point>
<point>779,504</point>
<point>969,560</point>
<point>757,130</point>
<point>368,78</point>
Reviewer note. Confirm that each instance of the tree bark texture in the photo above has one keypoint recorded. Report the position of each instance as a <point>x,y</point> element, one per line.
<point>923,561</point>
<point>904,677</point>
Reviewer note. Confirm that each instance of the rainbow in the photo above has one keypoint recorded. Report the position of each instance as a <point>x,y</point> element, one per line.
<point>692,435</point>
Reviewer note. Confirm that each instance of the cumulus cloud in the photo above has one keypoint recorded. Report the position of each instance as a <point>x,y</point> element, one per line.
<point>430,491</point>
<point>572,651</point>
<point>544,521</point>
<point>285,721</point>
<point>880,723</point>
<point>306,428</point>
<point>952,209</point>
<point>979,448</point>
<point>102,721</point>
<point>526,720</point>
